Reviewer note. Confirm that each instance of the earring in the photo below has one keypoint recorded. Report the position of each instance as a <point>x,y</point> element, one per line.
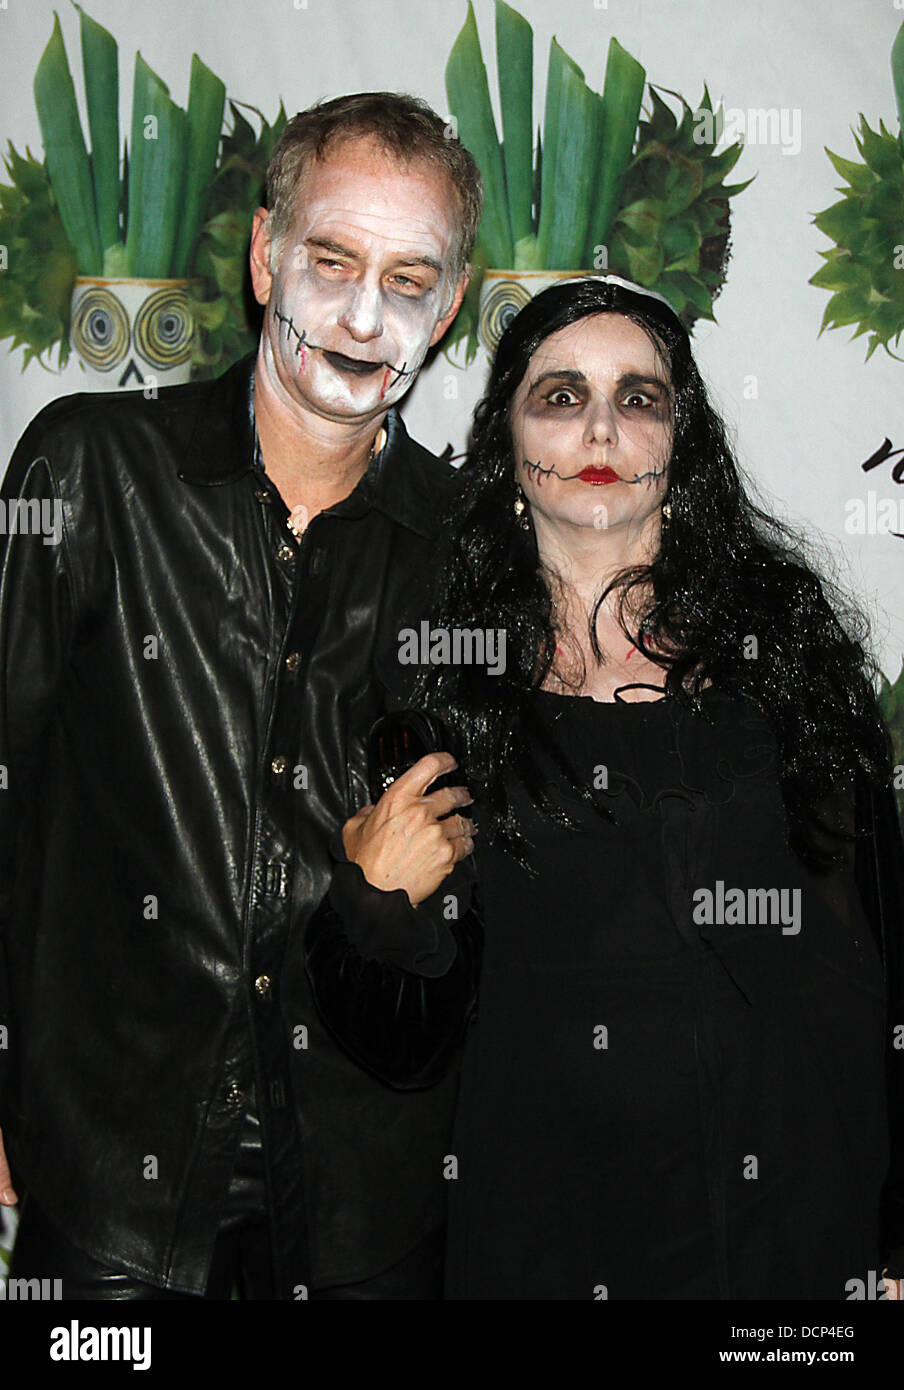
<point>521,513</point>
<point>666,514</point>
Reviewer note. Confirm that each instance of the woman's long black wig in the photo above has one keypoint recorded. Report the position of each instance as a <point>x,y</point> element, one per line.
<point>726,573</point>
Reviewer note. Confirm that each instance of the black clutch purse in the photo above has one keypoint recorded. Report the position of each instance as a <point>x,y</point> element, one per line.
<point>397,741</point>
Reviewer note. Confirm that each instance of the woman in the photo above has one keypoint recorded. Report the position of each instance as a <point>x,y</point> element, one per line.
<point>674,1086</point>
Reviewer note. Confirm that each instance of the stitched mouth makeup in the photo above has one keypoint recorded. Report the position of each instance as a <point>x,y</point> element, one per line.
<point>354,366</point>
<point>596,477</point>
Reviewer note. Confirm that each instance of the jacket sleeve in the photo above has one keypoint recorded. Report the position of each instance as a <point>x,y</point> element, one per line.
<point>36,618</point>
<point>879,872</point>
<point>395,985</point>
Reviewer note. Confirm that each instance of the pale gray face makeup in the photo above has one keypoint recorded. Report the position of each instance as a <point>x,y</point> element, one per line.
<point>390,322</point>
<point>362,283</point>
<point>592,426</point>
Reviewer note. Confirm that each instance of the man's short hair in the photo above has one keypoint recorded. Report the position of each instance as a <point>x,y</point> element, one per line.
<point>408,130</point>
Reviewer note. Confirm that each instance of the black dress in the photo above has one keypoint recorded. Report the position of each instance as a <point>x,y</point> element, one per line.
<point>673,1081</point>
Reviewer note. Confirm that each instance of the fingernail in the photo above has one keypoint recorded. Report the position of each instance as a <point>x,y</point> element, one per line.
<point>9,1198</point>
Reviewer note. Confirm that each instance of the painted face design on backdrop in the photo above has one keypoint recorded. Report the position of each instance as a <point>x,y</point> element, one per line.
<point>592,425</point>
<point>363,286</point>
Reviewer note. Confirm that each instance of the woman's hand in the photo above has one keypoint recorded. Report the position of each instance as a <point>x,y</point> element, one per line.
<point>401,842</point>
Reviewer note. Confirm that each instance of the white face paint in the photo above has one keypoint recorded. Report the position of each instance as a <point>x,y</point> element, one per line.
<point>592,428</point>
<point>364,283</point>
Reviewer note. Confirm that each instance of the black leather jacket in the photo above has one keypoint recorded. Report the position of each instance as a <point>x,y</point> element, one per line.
<point>177,681</point>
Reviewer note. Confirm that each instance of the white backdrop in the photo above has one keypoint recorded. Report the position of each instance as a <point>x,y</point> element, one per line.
<point>819,410</point>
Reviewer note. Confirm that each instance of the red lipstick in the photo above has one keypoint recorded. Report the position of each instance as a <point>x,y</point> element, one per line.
<point>599,476</point>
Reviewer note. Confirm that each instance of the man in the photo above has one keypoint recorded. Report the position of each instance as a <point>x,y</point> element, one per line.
<point>179,677</point>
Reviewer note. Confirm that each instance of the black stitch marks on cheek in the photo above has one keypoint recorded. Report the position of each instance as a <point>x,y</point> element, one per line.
<point>304,345</point>
<point>648,478</point>
<point>538,471</point>
<point>291,329</point>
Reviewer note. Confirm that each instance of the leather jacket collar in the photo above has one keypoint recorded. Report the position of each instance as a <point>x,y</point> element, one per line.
<point>221,450</point>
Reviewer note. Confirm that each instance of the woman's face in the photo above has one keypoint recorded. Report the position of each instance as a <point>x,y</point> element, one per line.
<point>592,426</point>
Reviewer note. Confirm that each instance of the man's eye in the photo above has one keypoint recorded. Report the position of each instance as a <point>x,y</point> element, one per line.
<point>405,283</point>
<point>330,265</point>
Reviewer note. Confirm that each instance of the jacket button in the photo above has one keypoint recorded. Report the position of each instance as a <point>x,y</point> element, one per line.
<point>234,1093</point>
<point>262,494</point>
<point>262,985</point>
<point>285,552</point>
<point>293,660</point>
<point>279,766</point>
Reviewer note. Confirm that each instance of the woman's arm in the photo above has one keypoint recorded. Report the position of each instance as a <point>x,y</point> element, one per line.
<point>395,984</point>
<point>393,952</point>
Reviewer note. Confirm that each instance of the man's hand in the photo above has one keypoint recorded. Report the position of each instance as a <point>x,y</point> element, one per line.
<point>8,1196</point>
<point>401,842</point>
